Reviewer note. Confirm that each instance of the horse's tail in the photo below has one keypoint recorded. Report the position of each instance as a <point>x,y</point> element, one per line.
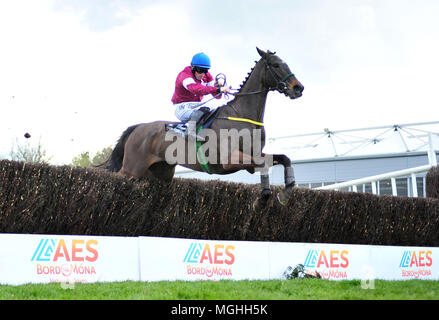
<point>114,163</point>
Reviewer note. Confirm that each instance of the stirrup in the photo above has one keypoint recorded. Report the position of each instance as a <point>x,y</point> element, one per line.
<point>192,135</point>
<point>178,131</point>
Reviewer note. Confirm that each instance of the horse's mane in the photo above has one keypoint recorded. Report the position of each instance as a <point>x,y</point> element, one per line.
<point>247,77</point>
<point>243,83</point>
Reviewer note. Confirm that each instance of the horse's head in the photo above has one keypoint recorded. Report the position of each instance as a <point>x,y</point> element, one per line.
<point>278,75</point>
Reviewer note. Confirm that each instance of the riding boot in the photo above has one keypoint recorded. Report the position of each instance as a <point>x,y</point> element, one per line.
<point>191,125</point>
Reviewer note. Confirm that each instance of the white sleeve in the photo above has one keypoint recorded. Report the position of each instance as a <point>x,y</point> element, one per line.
<point>187,82</point>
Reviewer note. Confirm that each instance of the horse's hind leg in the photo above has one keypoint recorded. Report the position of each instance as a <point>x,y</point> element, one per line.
<point>162,171</point>
<point>134,165</point>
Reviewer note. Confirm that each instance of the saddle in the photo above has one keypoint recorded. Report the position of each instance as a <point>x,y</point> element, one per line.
<point>204,123</point>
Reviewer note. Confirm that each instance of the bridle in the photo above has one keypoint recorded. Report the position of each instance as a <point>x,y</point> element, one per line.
<point>281,85</point>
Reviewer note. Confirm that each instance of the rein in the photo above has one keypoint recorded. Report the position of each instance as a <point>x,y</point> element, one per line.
<point>281,86</point>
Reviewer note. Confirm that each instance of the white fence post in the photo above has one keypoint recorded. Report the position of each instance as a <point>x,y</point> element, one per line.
<point>431,152</point>
<point>394,189</point>
<point>414,186</point>
<point>374,187</point>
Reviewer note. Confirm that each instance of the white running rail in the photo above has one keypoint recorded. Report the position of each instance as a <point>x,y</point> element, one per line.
<point>374,179</point>
<point>412,172</point>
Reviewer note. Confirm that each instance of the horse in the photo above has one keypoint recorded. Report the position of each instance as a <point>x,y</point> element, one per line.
<point>236,136</point>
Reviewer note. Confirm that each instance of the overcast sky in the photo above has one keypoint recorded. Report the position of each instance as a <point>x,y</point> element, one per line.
<point>76,73</point>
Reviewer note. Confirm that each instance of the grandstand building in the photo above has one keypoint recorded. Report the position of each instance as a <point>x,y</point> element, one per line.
<point>330,157</point>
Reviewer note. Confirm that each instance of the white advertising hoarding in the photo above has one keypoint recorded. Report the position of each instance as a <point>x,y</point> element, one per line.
<point>186,259</point>
<point>405,263</point>
<point>52,258</point>
<point>331,261</point>
<point>28,258</point>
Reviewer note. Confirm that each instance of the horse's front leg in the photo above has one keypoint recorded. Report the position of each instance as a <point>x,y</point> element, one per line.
<point>261,202</point>
<point>241,161</point>
<point>290,180</point>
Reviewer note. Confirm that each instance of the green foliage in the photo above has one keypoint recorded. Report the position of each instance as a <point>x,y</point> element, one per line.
<point>84,160</point>
<point>298,289</point>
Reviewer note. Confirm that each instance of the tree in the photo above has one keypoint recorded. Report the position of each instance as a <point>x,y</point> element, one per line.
<point>102,156</point>
<point>28,153</point>
<point>84,160</point>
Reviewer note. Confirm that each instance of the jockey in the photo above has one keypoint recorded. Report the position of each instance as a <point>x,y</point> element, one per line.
<point>191,85</point>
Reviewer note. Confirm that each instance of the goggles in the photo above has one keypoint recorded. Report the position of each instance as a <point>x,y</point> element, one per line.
<point>201,70</point>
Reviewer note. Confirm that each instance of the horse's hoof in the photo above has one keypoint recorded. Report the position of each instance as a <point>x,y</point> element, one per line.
<point>260,204</point>
<point>282,200</point>
<point>284,195</point>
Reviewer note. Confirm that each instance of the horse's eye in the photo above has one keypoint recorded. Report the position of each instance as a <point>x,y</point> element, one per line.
<point>276,65</point>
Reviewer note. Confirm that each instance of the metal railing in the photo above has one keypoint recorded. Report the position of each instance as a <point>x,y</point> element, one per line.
<point>373,180</point>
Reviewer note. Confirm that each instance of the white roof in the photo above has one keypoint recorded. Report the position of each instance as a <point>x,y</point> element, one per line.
<point>391,139</point>
<point>383,140</point>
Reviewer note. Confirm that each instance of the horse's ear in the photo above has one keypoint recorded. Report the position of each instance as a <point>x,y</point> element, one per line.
<point>261,52</point>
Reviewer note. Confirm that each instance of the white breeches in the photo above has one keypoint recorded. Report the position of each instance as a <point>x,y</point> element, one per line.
<point>184,110</point>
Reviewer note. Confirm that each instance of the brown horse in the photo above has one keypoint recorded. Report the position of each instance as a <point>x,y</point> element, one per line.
<point>234,141</point>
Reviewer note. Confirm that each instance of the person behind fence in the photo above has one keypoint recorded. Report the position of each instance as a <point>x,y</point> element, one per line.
<point>191,85</point>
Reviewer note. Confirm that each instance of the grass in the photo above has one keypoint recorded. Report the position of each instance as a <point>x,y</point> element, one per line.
<point>303,289</point>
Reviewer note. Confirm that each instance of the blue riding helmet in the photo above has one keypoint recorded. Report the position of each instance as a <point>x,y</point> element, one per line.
<point>201,60</point>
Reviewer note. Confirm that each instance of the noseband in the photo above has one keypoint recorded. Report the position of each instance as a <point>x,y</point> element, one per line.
<point>281,84</point>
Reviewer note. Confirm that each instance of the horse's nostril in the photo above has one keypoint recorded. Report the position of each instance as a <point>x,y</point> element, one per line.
<point>298,89</point>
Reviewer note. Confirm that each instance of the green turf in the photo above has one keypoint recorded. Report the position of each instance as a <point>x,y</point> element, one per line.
<point>302,289</point>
